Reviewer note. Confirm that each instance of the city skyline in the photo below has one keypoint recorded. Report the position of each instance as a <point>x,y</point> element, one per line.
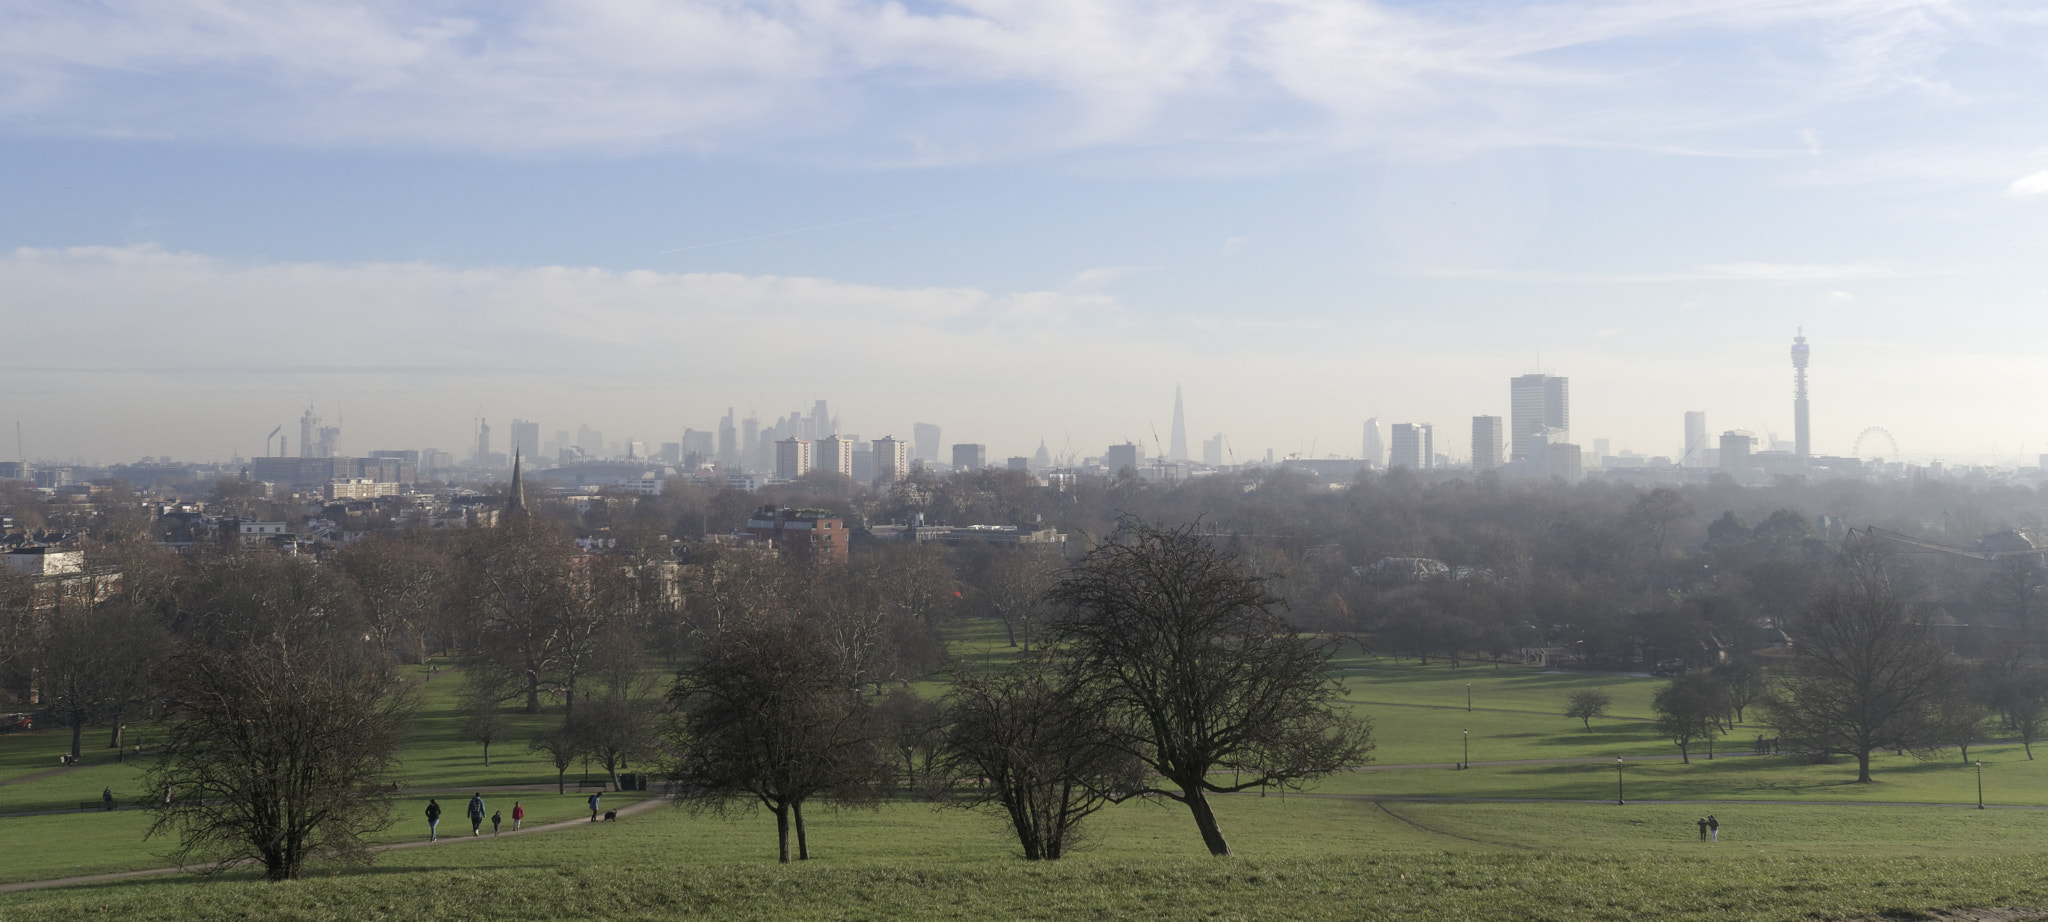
<point>1305,214</point>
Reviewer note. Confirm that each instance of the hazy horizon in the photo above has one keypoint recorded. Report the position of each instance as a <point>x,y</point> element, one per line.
<point>1020,221</point>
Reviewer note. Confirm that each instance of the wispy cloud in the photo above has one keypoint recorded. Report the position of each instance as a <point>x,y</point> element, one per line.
<point>1719,272</point>
<point>976,78</point>
<point>2032,184</point>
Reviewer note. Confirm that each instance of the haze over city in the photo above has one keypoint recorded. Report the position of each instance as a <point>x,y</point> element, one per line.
<point>1020,222</point>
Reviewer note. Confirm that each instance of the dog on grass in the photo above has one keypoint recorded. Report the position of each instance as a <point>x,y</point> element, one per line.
<point>611,816</point>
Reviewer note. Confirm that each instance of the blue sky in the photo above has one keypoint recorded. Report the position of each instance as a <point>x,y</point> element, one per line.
<point>1021,220</point>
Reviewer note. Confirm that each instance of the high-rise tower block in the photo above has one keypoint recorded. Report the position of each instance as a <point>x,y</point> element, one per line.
<point>1802,436</point>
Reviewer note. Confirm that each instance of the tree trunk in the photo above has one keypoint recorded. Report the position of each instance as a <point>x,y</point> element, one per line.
<point>782,830</point>
<point>561,784</point>
<point>803,843</point>
<point>1684,755</point>
<point>532,694</point>
<point>1205,820</point>
<point>77,731</point>
<point>487,753</point>
<point>1863,766</point>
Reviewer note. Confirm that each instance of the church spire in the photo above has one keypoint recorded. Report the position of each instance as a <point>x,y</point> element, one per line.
<point>515,503</point>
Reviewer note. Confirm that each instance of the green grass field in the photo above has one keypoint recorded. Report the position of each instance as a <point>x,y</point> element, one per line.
<point>1799,841</point>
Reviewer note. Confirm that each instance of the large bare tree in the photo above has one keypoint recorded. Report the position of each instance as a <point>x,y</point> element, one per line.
<point>276,753</point>
<point>1870,674</point>
<point>1047,754</point>
<point>1208,684</point>
<point>765,716</point>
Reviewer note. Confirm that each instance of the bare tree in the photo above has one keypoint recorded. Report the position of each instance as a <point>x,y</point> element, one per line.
<point>1743,685</point>
<point>765,716</point>
<point>2014,683</point>
<point>1586,704</point>
<point>484,719</point>
<point>1870,673</point>
<point>562,746</point>
<point>1204,678</point>
<point>1689,711</point>
<point>275,753</point>
<point>914,730</point>
<point>1045,755</point>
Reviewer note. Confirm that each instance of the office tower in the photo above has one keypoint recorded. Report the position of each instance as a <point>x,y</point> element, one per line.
<point>1374,450</point>
<point>969,457</point>
<point>1212,451</point>
<point>1177,444</point>
<point>1487,443</point>
<point>1695,439</point>
<point>483,441</point>
<point>308,424</point>
<point>750,440</point>
<point>1735,445</point>
<point>1019,463</point>
<point>792,458</point>
<point>1119,457</point>
<point>892,459</point>
<point>591,441</point>
<point>822,423</point>
<point>927,437</point>
<point>525,438</point>
<point>728,443</point>
<point>1413,446</point>
<point>832,454</point>
<point>1536,403</point>
<point>330,442</point>
<point>1802,437</point>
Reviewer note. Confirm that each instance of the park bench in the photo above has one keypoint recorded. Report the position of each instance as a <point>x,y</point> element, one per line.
<point>98,804</point>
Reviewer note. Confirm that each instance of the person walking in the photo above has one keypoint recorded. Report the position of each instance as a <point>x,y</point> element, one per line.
<point>107,798</point>
<point>518,813</point>
<point>1713,828</point>
<point>433,819</point>
<point>496,817</point>
<point>1703,828</point>
<point>593,805</point>
<point>476,814</point>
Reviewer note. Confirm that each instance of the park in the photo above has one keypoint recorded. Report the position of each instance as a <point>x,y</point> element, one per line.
<point>1530,830</point>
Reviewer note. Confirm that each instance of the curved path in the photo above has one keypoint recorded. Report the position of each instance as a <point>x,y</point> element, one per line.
<point>627,810</point>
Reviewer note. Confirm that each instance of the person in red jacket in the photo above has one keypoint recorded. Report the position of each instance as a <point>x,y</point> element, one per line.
<point>518,813</point>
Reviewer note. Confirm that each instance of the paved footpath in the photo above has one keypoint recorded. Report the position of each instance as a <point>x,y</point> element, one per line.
<point>627,810</point>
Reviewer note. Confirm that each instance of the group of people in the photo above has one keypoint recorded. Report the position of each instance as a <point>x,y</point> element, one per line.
<point>476,817</point>
<point>1710,828</point>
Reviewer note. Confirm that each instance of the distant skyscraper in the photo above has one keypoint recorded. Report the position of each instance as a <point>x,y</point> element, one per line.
<point>892,459</point>
<point>1802,437</point>
<point>483,441</point>
<point>308,426</point>
<point>1413,446</point>
<point>750,442</point>
<point>1487,443</point>
<point>926,436</point>
<point>591,441</point>
<point>792,458</point>
<point>1695,439</point>
<point>1374,450</point>
<point>1177,444</point>
<point>822,423</point>
<point>728,443</point>
<point>1119,457</point>
<point>1536,403</point>
<point>1735,445</point>
<point>832,454</point>
<point>525,438</point>
<point>1212,451</point>
<point>969,457</point>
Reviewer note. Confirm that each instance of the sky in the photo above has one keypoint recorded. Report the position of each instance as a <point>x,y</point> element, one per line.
<point>1021,219</point>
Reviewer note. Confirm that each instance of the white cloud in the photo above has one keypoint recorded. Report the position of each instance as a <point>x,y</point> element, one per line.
<point>1841,297</point>
<point>1100,276</point>
<point>1234,246</point>
<point>974,78</point>
<point>2032,184</point>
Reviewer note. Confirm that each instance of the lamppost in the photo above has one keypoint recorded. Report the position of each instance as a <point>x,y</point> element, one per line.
<point>1468,697</point>
<point>1618,799</point>
<point>1980,784</point>
<point>1468,751</point>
